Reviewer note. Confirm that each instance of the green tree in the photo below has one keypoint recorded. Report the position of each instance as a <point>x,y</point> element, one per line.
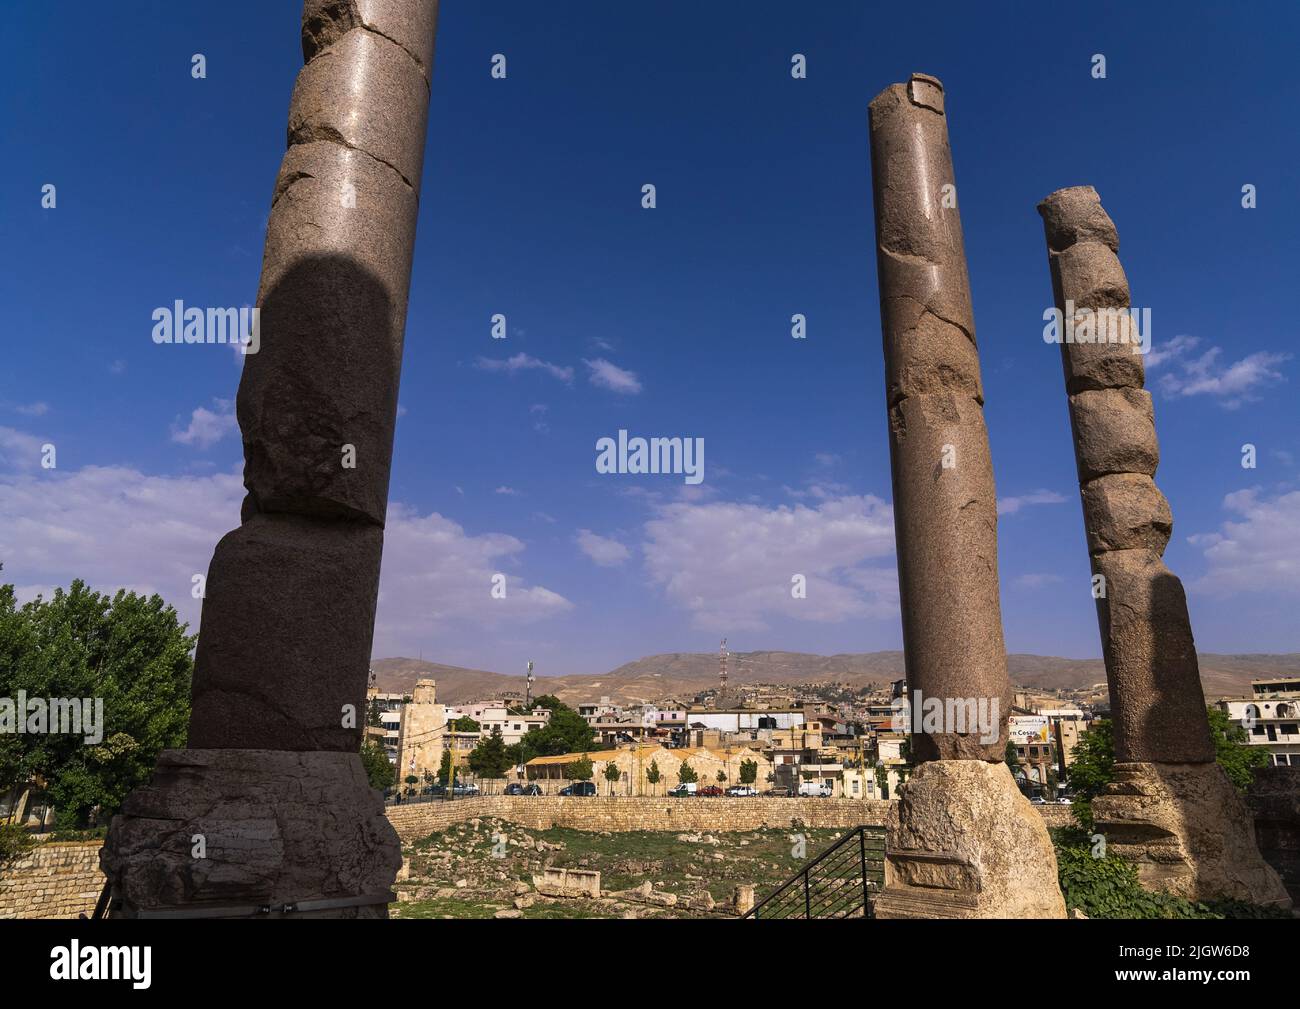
<point>1092,768</point>
<point>686,773</point>
<point>1233,751</point>
<point>379,771</point>
<point>373,714</point>
<point>1012,759</point>
<point>721,776</point>
<point>652,775</point>
<point>130,652</point>
<point>748,772</point>
<point>15,842</point>
<point>489,758</point>
<point>465,724</point>
<point>612,774</point>
<point>882,781</point>
<point>581,770</point>
<point>444,769</point>
<point>566,732</point>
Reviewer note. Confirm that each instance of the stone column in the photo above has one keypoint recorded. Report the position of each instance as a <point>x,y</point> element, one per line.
<point>272,780</point>
<point>963,841</point>
<point>1171,808</point>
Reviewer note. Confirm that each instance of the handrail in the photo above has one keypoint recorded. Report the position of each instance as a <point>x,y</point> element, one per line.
<point>833,899</point>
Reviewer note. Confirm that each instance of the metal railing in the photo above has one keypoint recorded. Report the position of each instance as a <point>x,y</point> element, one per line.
<point>841,882</point>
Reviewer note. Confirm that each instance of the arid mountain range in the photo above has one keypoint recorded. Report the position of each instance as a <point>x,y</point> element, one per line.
<point>682,674</point>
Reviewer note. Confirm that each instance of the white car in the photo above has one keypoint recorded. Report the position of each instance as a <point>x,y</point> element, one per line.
<point>743,790</point>
<point>815,788</point>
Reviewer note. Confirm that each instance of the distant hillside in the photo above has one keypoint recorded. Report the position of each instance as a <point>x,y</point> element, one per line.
<point>680,674</point>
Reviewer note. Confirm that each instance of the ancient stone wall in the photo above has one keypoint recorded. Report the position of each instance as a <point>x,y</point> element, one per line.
<point>56,880</point>
<point>62,880</point>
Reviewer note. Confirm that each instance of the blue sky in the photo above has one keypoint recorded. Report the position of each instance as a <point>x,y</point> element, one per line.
<point>666,322</point>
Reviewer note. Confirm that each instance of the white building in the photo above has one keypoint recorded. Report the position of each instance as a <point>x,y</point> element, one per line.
<point>1271,717</point>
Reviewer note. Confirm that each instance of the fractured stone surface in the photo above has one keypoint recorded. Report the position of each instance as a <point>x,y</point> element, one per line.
<point>1157,703</point>
<point>946,526</point>
<point>1188,831</point>
<point>260,682</point>
<point>1075,215</point>
<point>1126,511</point>
<point>962,842</point>
<point>276,827</point>
<point>945,513</point>
<point>1114,432</point>
<point>1089,275</point>
<point>1112,364</point>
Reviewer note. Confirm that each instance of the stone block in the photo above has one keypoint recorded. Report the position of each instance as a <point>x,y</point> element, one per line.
<point>925,355</point>
<point>964,843</point>
<point>409,25</point>
<point>1126,511</point>
<point>1157,703</point>
<point>1114,432</point>
<point>945,521</point>
<point>1188,831</point>
<point>1106,354</point>
<point>1089,275</point>
<point>366,93</point>
<point>1076,215</point>
<point>277,828</point>
<point>284,639</point>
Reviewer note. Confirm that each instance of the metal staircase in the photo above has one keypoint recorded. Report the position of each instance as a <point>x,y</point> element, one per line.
<point>841,882</point>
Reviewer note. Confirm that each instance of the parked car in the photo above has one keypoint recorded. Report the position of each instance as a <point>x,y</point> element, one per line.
<point>742,790</point>
<point>523,788</point>
<point>470,789</point>
<point>579,788</point>
<point>777,793</point>
<point>815,788</point>
<point>685,789</point>
<point>711,791</point>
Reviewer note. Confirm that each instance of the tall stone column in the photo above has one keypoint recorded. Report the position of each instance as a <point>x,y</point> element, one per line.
<point>1171,809</point>
<point>963,841</point>
<point>272,785</point>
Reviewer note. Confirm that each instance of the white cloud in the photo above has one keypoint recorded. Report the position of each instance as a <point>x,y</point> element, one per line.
<point>18,450</point>
<point>116,527</point>
<point>1011,505</point>
<point>731,564</point>
<point>1204,374</point>
<point>1258,551</point>
<point>32,409</point>
<point>604,551</point>
<point>608,375</point>
<point>524,362</point>
<point>207,427</point>
<point>507,491</point>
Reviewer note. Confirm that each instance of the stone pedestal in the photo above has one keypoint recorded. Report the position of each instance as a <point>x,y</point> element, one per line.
<point>964,843</point>
<point>217,831</point>
<point>1188,831</point>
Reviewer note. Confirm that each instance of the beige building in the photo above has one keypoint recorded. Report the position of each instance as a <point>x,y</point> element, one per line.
<point>1271,717</point>
<point>421,736</point>
<point>634,764</point>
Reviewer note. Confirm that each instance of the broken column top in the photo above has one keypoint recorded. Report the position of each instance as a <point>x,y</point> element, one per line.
<point>1075,215</point>
<point>922,90</point>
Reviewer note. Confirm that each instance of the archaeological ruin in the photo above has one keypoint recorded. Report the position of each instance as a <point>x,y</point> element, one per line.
<point>1171,809</point>
<point>269,811</point>
<point>962,841</point>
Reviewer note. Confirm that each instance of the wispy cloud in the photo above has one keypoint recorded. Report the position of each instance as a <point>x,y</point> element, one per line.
<point>604,551</point>
<point>731,565</point>
<point>207,427</point>
<point>524,362</point>
<point>1257,549</point>
<point>1192,373</point>
<point>608,375</point>
<point>1011,505</point>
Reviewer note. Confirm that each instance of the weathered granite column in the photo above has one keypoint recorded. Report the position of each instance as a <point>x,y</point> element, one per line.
<point>1171,809</point>
<point>963,841</point>
<point>272,781</point>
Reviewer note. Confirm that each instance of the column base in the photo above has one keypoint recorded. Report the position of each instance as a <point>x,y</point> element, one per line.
<point>252,833</point>
<point>962,842</point>
<point>1188,831</point>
